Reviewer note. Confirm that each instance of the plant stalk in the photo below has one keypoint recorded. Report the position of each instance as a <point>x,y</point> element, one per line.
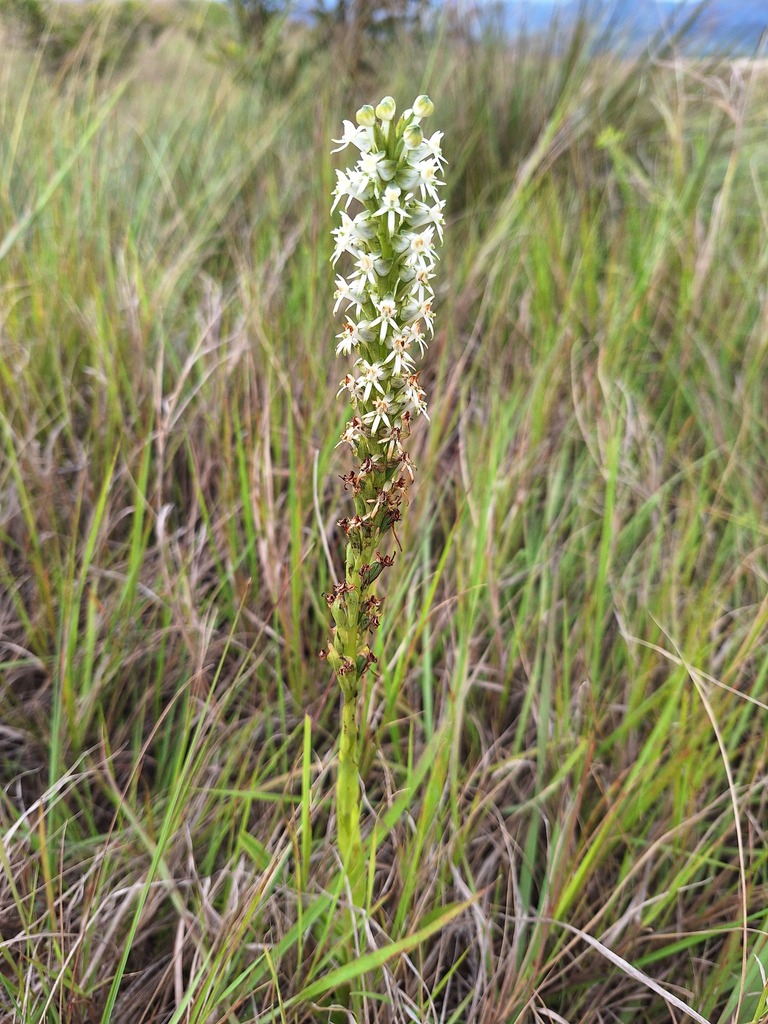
<point>348,802</point>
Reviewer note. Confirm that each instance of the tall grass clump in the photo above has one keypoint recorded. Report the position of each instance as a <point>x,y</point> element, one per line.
<point>564,744</point>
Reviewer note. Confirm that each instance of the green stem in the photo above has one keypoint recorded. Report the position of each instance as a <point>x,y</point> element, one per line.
<point>348,781</point>
<point>348,802</point>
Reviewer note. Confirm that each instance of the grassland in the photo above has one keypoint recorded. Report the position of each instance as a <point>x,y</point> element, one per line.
<point>565,791</point>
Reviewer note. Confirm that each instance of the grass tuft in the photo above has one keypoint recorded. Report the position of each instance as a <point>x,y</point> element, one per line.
<point>566,798</point>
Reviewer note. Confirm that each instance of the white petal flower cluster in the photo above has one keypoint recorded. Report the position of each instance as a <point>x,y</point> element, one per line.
<point>391,217</point>
<point>389,243</point>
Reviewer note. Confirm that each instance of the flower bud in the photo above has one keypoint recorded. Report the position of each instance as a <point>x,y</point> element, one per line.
<point>366,116</point>
<point>386,109</point>
<point>423,106</point>
<point>405,118</point>
<point>413,136</point>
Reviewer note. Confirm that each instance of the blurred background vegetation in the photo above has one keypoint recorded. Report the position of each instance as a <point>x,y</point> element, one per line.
<point>569,726</point>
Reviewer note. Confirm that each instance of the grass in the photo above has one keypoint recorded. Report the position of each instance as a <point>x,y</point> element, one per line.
<point>565,812</point>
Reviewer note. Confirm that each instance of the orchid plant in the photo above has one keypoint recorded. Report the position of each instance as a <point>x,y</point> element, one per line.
<point>388,318</point>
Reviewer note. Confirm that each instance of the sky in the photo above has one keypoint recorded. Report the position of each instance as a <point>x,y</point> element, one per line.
<point>554,3</point>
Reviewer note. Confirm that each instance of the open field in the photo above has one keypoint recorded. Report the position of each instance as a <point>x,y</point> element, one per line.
<point>568,731</point>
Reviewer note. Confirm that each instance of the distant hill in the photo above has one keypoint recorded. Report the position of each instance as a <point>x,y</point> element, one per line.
<point>733,25</point>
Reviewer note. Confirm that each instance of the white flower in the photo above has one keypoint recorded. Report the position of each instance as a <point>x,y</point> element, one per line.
<point>399,356</point>
<point>347,237</point>
<point>353,185</point>
<point>415,394</point>
<point>369,165</point>
<point>351,292</point>
<point>369,378</point>
<point>422,252</point>
<point>413,332</point>
<point>353,432</point>
<point>390,206</point>
<point>354,135</point>
<point>431,147</point>
<point>387,310</point>
<point>351,336</point>
<point>370,267</point>
<point>417,311</point>
<point>394,449</point>
<point>380,413</point>
<point>421,287</point>
<point>343,186</point>
<point>357,230</point>
<point>362,188</point>
<point>424,214</point>
<point>426,314</point>
<point>428,180</point>
<point>349,384</point>
<point>346,344</point>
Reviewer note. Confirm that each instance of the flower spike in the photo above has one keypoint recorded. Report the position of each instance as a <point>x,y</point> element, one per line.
<point>390,214</point>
